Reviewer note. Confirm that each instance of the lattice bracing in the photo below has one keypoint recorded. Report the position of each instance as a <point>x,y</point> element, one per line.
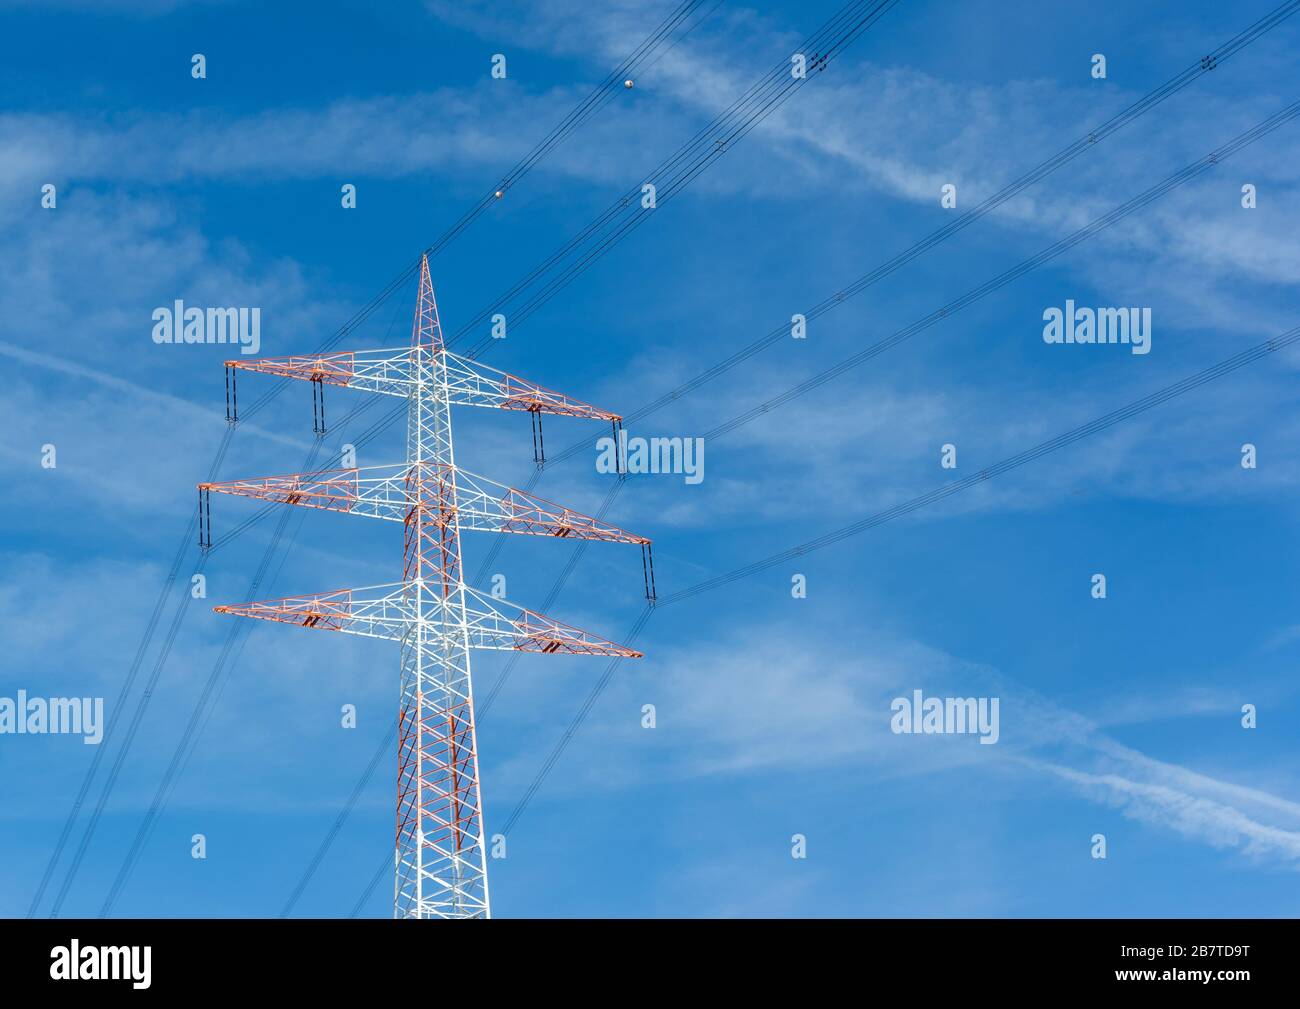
<point>387,611</point>
<point>482,505</point>
<point>395,373</point>
<point>439,851</point>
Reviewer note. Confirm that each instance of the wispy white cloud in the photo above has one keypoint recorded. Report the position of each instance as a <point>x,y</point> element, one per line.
<point>978,137</point>
<point>173,405</point>
<point>856,129</point>
<point>793,702</point>
<point>1196,817</point>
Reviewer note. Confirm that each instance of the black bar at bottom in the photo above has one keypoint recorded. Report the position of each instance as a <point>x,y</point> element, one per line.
<point>982,960</point>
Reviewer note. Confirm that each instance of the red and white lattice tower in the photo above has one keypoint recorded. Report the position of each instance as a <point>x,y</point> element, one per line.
<point>439,856</point>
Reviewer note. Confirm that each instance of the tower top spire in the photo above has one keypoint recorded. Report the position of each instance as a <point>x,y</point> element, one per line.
<point>426,332</point>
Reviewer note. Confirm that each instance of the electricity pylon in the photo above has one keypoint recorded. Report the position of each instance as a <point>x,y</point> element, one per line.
<point>439,852</point>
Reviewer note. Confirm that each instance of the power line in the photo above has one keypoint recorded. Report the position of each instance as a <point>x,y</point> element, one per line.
<point>850,22</point>
<point>1100,424</point>
<point>710,143</point>
<point>385,747</point>
<point>1067,154</point>
<point>880,272</point>
<point>196,716</point>
<point>1243,140</point>
<point>1179,178</point>
<point>221,686</point>
<point>592,104</point>
<point>142,703</point>
<point>1092,138</point>
<point>202,707</point>
<point>585,110</point>
<point>1154,193</point>
<point>1134,111</point>
<point>849,17</point>
<point>84,790</point>
<point>1196,168</point>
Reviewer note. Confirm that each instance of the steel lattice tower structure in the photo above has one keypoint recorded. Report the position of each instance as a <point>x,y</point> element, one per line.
<point>439,850</point>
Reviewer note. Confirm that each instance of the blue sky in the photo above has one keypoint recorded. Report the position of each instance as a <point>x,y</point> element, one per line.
<point>1119,716</point>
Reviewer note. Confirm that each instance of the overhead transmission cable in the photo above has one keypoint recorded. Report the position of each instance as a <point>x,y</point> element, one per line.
<point>1093,427</point>
<point>1264,128</point>
<point>585,110</point>
<point>758,102</point>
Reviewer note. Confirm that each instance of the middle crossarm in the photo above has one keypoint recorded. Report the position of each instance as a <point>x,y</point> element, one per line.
<point>387,492</point>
